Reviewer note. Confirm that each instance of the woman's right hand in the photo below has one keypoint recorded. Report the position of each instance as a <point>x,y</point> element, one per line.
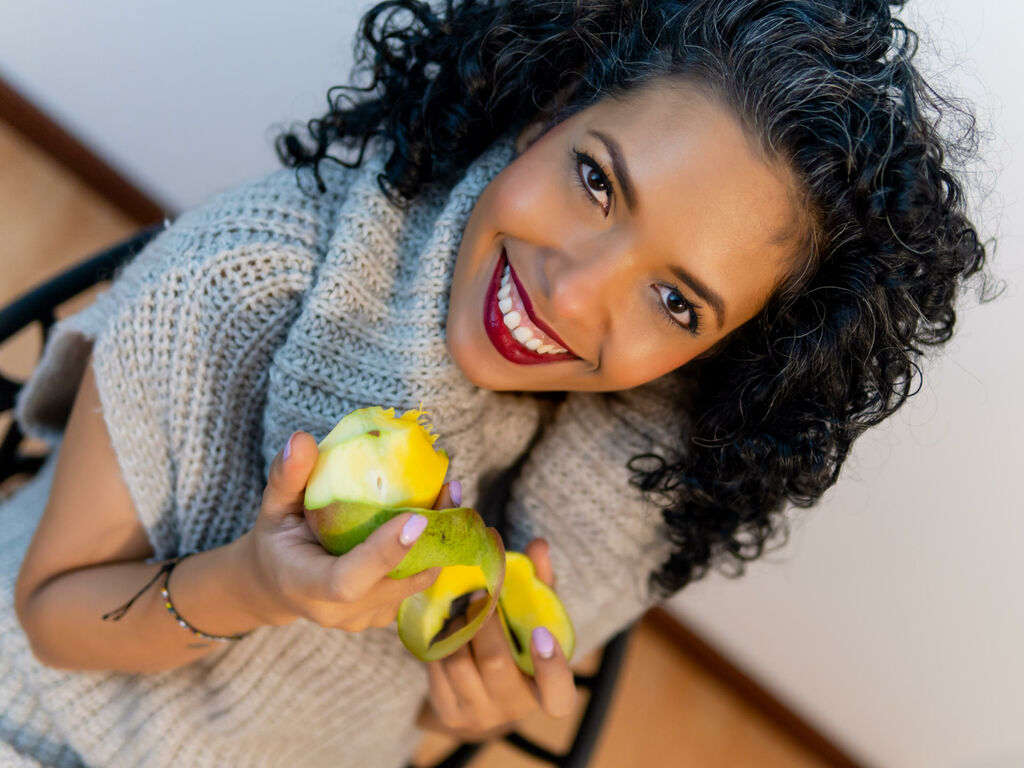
<point>293,576</point>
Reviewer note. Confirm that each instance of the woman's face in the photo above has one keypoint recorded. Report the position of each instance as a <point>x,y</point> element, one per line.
<point>634,236</point>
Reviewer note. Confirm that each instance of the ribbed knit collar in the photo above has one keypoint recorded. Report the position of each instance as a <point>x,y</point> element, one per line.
<point>371,328</point>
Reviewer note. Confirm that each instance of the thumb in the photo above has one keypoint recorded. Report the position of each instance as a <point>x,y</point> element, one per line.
<point>537,551</point>
<point>450,495</point>
<point>286,486</point>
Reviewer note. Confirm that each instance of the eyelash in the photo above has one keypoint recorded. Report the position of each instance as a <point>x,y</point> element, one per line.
<point>695,319</point>
<point>582,158</point>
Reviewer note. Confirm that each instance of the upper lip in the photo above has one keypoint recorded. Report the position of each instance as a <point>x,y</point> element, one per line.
<point>528,306</point>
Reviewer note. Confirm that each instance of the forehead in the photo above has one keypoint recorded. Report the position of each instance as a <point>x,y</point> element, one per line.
<point>701,182</point>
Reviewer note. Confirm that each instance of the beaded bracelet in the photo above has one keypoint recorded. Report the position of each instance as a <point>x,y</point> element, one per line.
<point>165,571</point>
<point>178,617</point>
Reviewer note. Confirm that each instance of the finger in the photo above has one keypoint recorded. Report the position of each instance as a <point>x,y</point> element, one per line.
<point>469,689</point>
<point>539,552</point>
<point>504,683</point>
<point>357,571</point>
<point>387,595</point>
<point>286,485</point>
<point>321,577</point>
<point>390,590</point>
<point>380,604</point>
<point>384,616</point>
<point>442,696</point>
<point>450,495</point>
<point>552,677</point>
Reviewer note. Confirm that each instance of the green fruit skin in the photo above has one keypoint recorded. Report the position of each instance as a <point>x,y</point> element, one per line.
<point>455,536</point>
<point>526,603</point>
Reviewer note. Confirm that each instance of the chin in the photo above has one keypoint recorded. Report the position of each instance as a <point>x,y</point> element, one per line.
<point>467,360</point>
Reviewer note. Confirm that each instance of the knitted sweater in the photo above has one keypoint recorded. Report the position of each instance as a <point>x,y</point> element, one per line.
<point>266,311</point>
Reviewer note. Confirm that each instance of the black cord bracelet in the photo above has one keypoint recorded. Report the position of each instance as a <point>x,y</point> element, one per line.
<point>165,571</point>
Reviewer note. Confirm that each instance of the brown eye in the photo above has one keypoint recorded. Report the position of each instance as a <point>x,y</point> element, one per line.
<point>676,303</point>
<point>675,307</point>
<point>594,181</point>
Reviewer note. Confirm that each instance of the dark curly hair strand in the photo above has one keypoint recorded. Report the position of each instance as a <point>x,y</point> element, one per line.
<point>826,87</point>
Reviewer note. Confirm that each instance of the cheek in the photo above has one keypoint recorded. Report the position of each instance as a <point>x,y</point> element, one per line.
<point>633,364</point>
<point>528,196</point>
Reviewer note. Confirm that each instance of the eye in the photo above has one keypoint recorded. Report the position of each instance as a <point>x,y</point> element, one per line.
<point>681,313</point>
<point>594,180</point>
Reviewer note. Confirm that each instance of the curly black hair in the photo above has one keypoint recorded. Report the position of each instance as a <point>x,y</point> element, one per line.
<point>827,87</point>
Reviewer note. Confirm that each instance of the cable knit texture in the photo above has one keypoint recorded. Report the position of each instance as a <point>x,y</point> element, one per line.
<point>266,311</point>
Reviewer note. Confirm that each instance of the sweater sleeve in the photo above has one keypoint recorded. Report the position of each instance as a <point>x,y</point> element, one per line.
<point>605,538</point>
<point>181,344</point>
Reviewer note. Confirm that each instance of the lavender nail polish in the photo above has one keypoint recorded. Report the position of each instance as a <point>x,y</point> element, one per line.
<point>412,529</point>
<point>455,491</point>
<point>544,642</point>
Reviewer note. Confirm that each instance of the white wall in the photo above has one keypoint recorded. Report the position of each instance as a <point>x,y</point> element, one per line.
<point>895,619</point>
<point>183,98</point>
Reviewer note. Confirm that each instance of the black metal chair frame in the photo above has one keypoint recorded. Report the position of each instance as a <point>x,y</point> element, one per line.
<point>40,305</point>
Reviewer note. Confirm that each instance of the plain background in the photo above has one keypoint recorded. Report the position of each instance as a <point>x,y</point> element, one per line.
<point>894,619</point>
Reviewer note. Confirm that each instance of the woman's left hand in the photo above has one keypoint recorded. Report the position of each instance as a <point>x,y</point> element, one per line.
<point>478,691</point>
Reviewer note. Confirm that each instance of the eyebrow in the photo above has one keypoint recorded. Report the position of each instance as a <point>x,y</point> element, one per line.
<point>621,171</point>
<point>702,290</point>
<point>620,168</point>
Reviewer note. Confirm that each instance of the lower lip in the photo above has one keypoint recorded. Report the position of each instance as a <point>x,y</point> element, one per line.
<point>499,334</point>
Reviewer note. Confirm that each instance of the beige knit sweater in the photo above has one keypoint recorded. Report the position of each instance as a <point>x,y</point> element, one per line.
<point>270,310</point>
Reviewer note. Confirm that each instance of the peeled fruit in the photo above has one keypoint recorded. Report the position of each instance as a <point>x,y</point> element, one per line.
<point>373,456</point>
<point>374,466</point>
<point>526,603</point>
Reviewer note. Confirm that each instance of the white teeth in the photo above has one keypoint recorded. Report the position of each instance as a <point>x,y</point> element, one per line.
<point>512,320</point>
<point>546,349</point>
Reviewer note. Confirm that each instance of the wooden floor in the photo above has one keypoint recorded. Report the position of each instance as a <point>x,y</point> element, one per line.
<point>667,711</point>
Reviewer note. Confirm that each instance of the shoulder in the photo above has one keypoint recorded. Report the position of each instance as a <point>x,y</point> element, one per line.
<point>265,236</point>
<point>273,211</point>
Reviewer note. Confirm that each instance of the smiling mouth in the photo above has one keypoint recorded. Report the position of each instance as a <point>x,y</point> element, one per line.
<point>511,325</point>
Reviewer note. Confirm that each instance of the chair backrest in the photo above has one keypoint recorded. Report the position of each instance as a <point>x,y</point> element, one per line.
<point>40,305</point>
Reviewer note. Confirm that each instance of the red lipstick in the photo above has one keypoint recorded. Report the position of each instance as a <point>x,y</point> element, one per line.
<point>499,334</point>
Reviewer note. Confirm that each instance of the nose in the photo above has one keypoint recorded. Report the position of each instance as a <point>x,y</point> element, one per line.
<point>584,284</point>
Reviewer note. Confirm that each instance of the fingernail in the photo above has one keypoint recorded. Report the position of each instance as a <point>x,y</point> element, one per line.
<point>543,642</point>
<point>288,447</point>
<point>412,529</point>
<point>455,491</point>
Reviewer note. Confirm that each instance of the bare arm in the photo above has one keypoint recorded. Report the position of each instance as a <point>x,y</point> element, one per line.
<point>87,558</point>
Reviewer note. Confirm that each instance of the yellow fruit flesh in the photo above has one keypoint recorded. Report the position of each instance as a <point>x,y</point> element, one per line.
<point>374,466</point>
<point>527,603</point>
<point>454,538</point>
<point>375,457</point>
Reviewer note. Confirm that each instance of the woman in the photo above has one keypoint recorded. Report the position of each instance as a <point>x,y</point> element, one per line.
<point>720,231</point>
